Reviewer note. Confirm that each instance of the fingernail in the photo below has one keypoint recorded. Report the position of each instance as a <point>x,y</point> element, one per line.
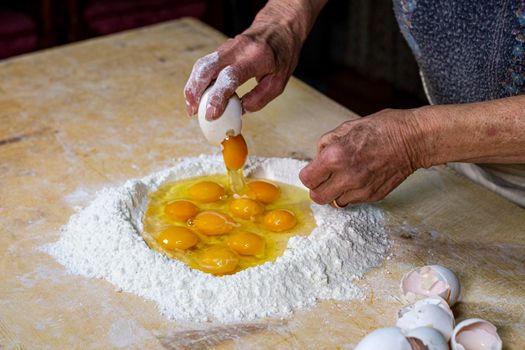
<point>188,108</point>
<point>211,112</point>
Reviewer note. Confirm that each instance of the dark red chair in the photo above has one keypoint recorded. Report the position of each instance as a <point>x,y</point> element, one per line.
<point>18,33</point>
<point>102,17</point>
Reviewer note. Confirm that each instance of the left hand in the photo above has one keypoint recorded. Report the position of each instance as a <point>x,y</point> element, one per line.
<point>363,160</point>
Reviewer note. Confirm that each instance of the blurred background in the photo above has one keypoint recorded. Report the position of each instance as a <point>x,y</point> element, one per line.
<point>355,53</point>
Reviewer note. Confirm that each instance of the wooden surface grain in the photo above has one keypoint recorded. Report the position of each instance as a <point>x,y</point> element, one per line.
<point>81,117</point>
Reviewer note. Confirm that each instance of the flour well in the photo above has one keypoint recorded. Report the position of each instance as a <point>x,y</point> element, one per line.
<point>103,241</point>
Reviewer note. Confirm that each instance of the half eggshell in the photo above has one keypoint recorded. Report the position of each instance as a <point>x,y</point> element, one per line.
<point>431,280</point>
<point>228,124</point>
<point>475,334</point>
<point>430,312</point>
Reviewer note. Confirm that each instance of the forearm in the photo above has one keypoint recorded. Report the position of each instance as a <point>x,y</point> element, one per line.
<point>297,16</point>
<point>485,132</point>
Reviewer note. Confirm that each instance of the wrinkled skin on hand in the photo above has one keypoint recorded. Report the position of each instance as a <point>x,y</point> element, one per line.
<point>361,160</point>
<point>267,52</point>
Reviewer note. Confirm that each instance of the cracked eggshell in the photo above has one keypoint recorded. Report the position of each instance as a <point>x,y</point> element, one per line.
<point>475,334</point>
<point>430,312</point>
<point>429,339</point>
<point>432,280</point>
<point>391,338</point>
<point>228,124</point>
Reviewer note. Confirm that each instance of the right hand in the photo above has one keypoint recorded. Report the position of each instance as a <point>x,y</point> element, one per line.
<point>267,51</point>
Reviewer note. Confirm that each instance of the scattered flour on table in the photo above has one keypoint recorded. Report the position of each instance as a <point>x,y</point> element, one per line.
<point>103,240</point>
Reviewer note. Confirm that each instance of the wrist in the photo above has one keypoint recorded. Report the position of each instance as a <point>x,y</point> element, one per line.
<point>421,137</point>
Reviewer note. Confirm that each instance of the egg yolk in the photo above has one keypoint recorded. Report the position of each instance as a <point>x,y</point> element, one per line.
<point>279,220</point>
<point>218,260</point>
<point>234,152</point>
<point>177,238</point>
<point>181,210</point>
<point>245,208</point>
<point>206,192</point>
<point>246,243</point>
<point>263,191</point>
<point>212,223</point>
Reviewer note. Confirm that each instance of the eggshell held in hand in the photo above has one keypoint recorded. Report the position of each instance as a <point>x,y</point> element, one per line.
<point>228,124</point>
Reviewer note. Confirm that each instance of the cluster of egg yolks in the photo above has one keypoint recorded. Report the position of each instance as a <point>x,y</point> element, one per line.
<point>206,192</point>
<point>263,191</point>
<point>212,223</point>
<point>279,220</point>
<point>176,237</point>
<point>223,256</point>
<point>181,210</point>
<point>234,152</point>
<point>218,259</point>
<point>246,243</point>
<point>245,208</point>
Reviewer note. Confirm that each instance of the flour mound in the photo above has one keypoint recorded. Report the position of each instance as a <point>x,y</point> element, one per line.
<point>104,241</point>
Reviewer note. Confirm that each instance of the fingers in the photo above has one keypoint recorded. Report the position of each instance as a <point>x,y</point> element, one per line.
<point>370,194</point>
<point>331,189</point>
<point>330,178</point>
<point>229,79</point>
<point>314,174</point>
<point>360,195</point>
<point>232,64</point>
<point>269,87</point>
<point>327,139</point>
<point>204,71</point>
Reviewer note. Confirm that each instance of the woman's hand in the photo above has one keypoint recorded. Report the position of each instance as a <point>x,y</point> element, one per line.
<point>268,51</point>
<point>268,54</point>
<point>362,160</point>
<point>365,159</point>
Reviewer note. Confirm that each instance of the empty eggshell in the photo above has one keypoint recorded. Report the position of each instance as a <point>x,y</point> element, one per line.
<point>475,334</point>
<point>430,312</point>
<point>229,124</point>
<point>426,338</point>
<point>391,338</point>
<point>432,280</point>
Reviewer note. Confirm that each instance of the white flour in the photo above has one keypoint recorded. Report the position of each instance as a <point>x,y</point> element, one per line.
<point>103,241</point>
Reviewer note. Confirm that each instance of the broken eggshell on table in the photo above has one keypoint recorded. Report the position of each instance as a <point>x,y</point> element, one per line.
<point>229,124</point>
<point>430,312</point>
<point>385,338</point>
<point>428,324</point>
<point>393,338</point>
<point>429,281</point>
<point>475,334</point>
<point>426,338</point>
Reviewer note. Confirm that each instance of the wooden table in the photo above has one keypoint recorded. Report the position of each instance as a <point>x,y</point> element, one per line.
<point>89,115</point>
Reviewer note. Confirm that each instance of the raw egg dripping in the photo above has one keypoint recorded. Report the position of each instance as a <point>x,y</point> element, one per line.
<point>234,154</point>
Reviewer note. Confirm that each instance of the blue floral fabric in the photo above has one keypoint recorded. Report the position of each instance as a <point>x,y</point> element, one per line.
<point>467,50</point>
